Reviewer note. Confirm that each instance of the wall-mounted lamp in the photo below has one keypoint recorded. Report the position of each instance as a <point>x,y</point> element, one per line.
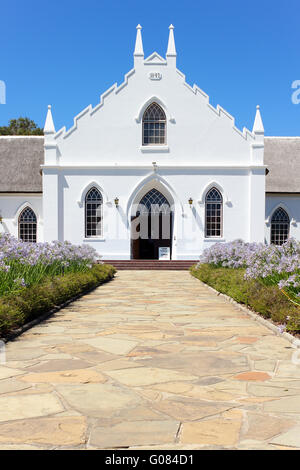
<point>116,201</point>
<point>190,202</point>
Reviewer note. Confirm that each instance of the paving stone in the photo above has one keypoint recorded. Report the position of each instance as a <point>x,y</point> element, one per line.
<point>200,363</point>
<point>52,431</point>
<point>290,439</point>
<point>266,365</point>
<point>207,393</point>
<point>12,385</point>
<point>95,356</point>
<point>269,391</point>
<point>284,405</point>
<point>188,409</point>
<point>99,400</point>
<point>60,364</point>
<point>117,364</point>
<point>209,381</point>
<point>67,376</point>
<point>28,406</point>
<point>246,339</point>
<point>114,346</point>
<point>222,431</point>
<point>22,354</point>
<point>6,372</point>
<point>263,427</point>
<point>287,369</point>
<point>147,376</point>
<point>134,434</point>
<point>253,376</point>
<point>179,388</point>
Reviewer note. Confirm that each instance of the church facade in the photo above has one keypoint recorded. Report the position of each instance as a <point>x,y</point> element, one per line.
<point>154,171</point>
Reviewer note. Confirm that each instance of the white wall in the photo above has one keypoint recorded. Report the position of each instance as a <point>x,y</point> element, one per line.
<point>11,205</point>
<point>291,204</point>
<point>129,186</point>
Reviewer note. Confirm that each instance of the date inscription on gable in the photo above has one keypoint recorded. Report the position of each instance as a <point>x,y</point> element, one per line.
<point>155,76</point>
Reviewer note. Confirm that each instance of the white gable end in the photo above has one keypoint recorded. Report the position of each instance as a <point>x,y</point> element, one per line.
<point>155,137</point>
<point>111,132</point>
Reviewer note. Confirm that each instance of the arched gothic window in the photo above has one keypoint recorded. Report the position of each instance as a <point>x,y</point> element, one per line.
<point>280,227</point>
<point>154,125</point>
<point>93,213</point>
<point>213,213</point>
<point>27,225</point>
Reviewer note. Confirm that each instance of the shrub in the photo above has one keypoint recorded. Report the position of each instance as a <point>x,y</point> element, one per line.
<point>19,308</point>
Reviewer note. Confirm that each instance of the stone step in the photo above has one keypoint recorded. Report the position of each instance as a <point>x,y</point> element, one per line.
<point>173,265</point>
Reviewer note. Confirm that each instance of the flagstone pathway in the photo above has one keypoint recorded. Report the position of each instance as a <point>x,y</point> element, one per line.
<point>154,360</point>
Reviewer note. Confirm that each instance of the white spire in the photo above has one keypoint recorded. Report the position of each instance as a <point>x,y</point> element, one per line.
<point>49,124</point>
<point>171,52</point>
<point>138,51</point>
<point>258,127</point>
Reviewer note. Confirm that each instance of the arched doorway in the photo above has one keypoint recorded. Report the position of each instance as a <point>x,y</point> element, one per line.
<point>152,227</point>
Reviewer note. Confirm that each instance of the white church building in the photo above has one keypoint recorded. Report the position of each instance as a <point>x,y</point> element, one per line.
<point>154,149</point>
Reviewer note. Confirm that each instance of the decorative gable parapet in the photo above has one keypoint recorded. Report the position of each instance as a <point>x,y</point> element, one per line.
<point>218,110</point>
<point>63,133</point>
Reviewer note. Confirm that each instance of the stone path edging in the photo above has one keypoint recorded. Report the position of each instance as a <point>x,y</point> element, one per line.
<point>295,342</point>
<point>45,316</point>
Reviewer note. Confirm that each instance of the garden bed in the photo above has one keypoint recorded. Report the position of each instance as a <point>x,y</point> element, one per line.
<point>21,307</point>
<point>265,279</point>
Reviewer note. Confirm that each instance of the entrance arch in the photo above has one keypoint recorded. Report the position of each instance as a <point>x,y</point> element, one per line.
<point>152,226</point>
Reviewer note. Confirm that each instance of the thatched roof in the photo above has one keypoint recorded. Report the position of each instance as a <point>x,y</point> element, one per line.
<point>282,157</point>
<point>21,157</point>
<point>20,160</point>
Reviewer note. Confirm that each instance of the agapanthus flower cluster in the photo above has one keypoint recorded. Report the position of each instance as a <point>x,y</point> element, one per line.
<point>272,264</point>
<point>22,264</point>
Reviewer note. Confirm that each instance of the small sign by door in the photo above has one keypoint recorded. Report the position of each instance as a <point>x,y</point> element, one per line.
<point>164,252</point>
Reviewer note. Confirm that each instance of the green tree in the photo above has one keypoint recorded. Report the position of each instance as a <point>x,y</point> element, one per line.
<point>21,126</point>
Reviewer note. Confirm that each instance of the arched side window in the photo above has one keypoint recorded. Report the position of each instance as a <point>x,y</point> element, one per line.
<point>27,225</point>
<point>213,213</point>
<point>280,227</point>
<point>93,213</point>
<point>154,125</point>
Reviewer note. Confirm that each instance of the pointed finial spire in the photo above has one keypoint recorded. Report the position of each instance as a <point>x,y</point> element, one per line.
<point>171,52</point>
<point>258,127</point>
<point>49,124</point>
<point>138,51</point>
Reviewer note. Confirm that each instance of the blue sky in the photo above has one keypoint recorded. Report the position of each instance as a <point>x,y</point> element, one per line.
<point>66,53</point>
